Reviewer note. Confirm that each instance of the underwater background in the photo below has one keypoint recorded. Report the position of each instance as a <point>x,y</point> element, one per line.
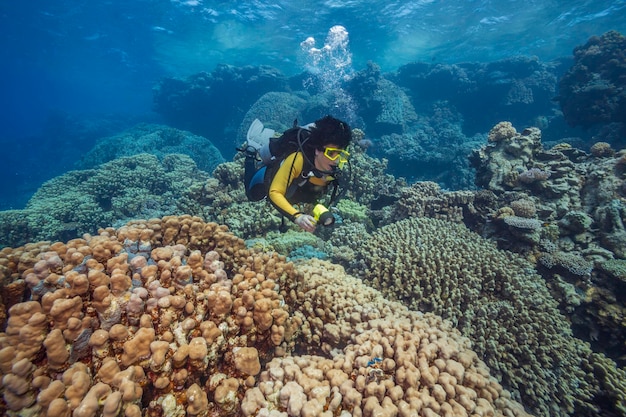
<point>477,265</point>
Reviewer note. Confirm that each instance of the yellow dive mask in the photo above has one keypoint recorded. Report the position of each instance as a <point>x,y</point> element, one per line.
<point>334,153</point>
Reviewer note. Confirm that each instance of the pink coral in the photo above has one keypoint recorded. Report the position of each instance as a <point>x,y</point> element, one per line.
<point>533,175</point>
<point>160,321</point>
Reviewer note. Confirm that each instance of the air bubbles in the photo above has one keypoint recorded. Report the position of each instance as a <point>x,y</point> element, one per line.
<point>328,67</point>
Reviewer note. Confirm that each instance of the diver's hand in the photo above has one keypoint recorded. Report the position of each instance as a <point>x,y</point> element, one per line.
<point>306,222</point>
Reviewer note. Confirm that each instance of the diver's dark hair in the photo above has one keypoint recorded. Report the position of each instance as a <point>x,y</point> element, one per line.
<point>329,130</point>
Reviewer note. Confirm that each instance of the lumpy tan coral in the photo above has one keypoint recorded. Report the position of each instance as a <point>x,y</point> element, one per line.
<point>153,330</point>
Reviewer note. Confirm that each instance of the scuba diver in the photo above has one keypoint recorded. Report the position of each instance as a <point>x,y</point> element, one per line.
<point>297,167</point>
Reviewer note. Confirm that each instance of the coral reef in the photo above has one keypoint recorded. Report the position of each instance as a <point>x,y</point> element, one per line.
<point>222,199</point>
<point>157,140</point>
<point>288,242</point>
<point>62,142</point>
<point>497,299</point>
<point>593,90</point>
<point>380,101</point>
<point>277,110</point>
<point>341,244</point>
<point>208,103</point>
<point>367,178</point>
<point>508,156</point>
<point>433,148</point>
<point>601,149</point>
<point>425,131</point>
<point>384,359</point>
<point>352,212</point>
<point>578,221</point>
<point>82,201</point>
<point>174,316</point>
<point>142,186</point>
<point>520,87</point>
<point>427,199</point>
<point>138,317</point>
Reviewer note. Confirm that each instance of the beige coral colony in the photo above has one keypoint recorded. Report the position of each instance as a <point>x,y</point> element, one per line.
<point>177,316</point>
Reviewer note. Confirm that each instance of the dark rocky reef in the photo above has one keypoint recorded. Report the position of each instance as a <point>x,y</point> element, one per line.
<point>212,104</point>
<point>384,106</point>
<point>519,89</point>
<point>158,140</point>
<point>593,91</point>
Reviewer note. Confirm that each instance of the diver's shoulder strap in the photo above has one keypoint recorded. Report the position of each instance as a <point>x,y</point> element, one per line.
<point>301,179</point>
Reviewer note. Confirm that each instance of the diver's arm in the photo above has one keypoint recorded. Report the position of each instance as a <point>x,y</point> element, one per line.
<point>278,188</point>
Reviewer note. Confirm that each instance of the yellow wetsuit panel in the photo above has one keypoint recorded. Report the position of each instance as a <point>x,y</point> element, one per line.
<point>282,179</point>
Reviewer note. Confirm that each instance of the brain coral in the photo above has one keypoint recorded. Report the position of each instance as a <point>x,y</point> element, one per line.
<point>495,298</point>
<point>175,317</point>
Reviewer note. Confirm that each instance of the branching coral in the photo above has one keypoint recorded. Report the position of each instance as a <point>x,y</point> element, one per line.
<point>428,199</point>
<point>169,301</point>
<point>385,359</point>
<point>568,262</point>
<point>494,296</point>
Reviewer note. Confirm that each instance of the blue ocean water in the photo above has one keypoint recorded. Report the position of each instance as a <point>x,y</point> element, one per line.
<point>84,82</point>
<point>69,65</point>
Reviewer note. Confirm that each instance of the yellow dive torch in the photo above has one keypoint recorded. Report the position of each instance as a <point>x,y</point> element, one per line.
<point>322,215</point>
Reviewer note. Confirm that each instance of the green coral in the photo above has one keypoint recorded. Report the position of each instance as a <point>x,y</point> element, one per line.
<point>80,202</point>
<point>343,239</point>
<point>157,140</point>
<point>570,262</point>
<point>616,268</point>
<point>285,243</point>
<point>288,243</point>
<point>351,211</point>
<point>222,199</point>
<point>367,178</point>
